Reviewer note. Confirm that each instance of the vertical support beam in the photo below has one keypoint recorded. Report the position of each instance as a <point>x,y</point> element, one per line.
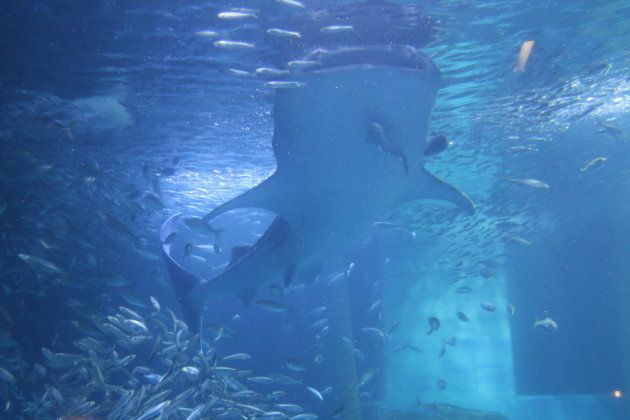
<point>339,364</point>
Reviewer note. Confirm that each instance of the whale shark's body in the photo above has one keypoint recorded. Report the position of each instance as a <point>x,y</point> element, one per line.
<point>349,147</point>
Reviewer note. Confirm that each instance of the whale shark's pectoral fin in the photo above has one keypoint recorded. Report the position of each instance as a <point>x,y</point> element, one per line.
<point>266,195</point>
<point>431,187</point>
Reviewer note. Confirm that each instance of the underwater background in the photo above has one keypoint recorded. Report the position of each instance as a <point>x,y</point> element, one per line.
<point>117,115</point>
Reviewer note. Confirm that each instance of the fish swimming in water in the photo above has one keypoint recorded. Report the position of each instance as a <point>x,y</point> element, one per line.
<point>315,393</point>
<point>434,324</point>
<point>34,261</point>
<point>233,45</point>
<point>188,248</point>
<point>436,144</point>
<point>336,29</point>
<point>488,306</point>
<point>547,324</point>
<point>511,309</point>
<point>595,162</point>
<point>328,170</point>
<point>462,317</point>
<point>291,3</point>
<point>463,289</point>
<point>236,15</point>
<point>611,130</point>
<point>530,182</point>
<point>283,33</point>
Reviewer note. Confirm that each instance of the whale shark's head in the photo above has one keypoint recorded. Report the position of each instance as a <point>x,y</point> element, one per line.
<point>349,92</point>
<point>359,66</point>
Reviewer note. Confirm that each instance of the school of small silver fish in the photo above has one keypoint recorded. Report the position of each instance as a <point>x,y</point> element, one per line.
<point>132,357</point>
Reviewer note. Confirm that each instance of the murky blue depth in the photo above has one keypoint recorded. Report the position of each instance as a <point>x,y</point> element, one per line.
<point>494,285</point>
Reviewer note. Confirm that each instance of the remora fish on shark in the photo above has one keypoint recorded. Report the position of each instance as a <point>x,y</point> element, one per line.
<point>331,182</point>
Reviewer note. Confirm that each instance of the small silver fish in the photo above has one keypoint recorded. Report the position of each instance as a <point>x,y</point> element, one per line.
<point>284,379</point>
<point>233,45</point>
<point>317,311</point>
<point>292,408</point>
<point>260,379</point>
<point>547,324</point>
<point>517,240</point>
<point>159,408</point>
<point>336,29</point>
<point>295,365</point>
<point>270,72</point>
<point>511,309</point>
<point>284,84</point>
<point>366,377</point>
<point>595,162</point>
<point>34,261</point>
<point>530,182</point>
<point>376,305</point>
<point>7,376</point>
<point>283,33</point>
<point>272,306</point>
<point>315,393</point>
<point>155,303</point>
<point>237,356</point>
<point>207,34</point>
<point>191,371</point>
<point>291,3</point>
<point>299,65</point>
<point>236,15</point>
<point>374,332</point>
<point>488,306</point>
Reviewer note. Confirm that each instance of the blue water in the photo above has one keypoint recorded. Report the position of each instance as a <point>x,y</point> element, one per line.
<point>117,115</point>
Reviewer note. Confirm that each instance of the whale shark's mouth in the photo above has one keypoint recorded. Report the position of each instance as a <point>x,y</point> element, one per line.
<point>397,56</point>
<point>365,25</point>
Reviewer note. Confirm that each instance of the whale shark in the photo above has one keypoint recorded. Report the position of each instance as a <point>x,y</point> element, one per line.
<point>349,146</point>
